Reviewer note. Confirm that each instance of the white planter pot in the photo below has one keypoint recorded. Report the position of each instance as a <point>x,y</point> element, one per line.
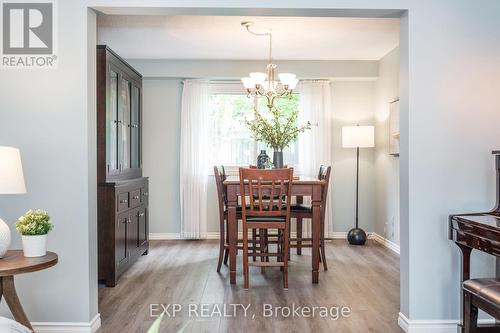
<point>35,246</point>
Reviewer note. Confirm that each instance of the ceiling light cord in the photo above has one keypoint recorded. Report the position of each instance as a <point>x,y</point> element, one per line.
<point>269,34</point>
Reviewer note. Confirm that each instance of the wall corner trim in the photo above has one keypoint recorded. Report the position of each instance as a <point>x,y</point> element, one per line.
<point>68,327</point>
<point>432,326</point>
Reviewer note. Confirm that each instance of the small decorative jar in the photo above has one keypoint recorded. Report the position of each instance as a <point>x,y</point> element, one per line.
<point>262,160</point>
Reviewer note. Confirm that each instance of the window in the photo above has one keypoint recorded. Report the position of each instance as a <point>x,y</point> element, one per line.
<point>231,142</point>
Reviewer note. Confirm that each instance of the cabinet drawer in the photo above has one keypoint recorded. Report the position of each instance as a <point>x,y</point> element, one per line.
<point>135,198</point>
<point>123,201</point>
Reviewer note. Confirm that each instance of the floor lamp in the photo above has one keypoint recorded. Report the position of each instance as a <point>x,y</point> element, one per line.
<point>357,137</point>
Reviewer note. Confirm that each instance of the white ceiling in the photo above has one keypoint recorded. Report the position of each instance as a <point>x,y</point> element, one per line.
<point>222,37</point>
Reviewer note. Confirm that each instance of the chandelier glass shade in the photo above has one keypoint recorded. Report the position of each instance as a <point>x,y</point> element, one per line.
<point>270,84</point>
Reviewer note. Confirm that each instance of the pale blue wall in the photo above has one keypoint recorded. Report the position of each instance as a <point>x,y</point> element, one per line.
<point>352,103</point>
<point>450,77</point>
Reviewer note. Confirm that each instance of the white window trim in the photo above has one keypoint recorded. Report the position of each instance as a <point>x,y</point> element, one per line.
<point>230,88</point>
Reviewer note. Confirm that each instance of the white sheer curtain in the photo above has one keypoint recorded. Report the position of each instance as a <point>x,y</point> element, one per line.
<point>194,159</point>
<point>315,146</point>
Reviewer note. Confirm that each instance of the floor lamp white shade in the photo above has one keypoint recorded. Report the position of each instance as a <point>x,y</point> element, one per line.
<point>11,182</point>
<point>358,136</point>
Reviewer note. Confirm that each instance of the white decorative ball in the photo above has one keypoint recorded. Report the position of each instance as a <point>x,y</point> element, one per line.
<point>4,238</point>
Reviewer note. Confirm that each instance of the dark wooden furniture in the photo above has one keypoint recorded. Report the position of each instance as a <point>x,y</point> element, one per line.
<point>300,187</point>
<point>220,177</point>
<point>14,263</point>
<point>269,200</point>
<point>480,231</point>
<point>122,195</point>
<point>299,211</point>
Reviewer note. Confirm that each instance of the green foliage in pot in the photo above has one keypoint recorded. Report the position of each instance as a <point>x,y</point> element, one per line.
<point>34,223</point>
<point>277,129</point>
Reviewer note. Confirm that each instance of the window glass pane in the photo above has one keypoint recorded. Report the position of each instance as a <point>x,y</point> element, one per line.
<point>111,114</point>
<point>231,142</point>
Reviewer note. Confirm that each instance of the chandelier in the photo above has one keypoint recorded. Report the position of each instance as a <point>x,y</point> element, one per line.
<point>266,84</point>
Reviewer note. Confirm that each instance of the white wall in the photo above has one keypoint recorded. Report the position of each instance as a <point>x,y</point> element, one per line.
<point>450,74</point>
<point>352,103</point>
<point>386,166</point>
<point>161,152</point>
<point>46,114</point>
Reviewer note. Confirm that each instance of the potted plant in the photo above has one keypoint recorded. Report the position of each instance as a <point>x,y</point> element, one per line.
<point>277,129</point>
<point>34,227</point>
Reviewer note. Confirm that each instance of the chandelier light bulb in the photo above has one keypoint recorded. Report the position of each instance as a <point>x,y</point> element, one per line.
<point>248,82</point>
<point>293,83</point>
<point>286,78</point>
<point>258,78</point>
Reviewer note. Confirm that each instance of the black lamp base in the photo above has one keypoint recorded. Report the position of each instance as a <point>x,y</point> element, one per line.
<point>356,236</point>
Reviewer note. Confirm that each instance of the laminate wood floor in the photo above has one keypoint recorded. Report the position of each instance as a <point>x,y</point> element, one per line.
<point>364,279</point>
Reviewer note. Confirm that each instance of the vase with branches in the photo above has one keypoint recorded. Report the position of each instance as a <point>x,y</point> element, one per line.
<point>277,129</point>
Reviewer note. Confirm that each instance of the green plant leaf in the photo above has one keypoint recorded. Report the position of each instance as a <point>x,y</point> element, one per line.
<point>183,328</point>
<point>155,328</point>
<point>277,128</point>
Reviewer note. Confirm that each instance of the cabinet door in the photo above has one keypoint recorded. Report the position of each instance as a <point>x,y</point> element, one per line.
<point>143,226</point>
<point>112,167</point>
<point>124,125</point>
<point>121,250</point>
<point>135,128</point>
<point>132,230</point>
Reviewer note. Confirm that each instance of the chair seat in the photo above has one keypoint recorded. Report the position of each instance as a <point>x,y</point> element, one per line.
<point>486,288</point>
<point>266,219</point>
<point>301,208</point>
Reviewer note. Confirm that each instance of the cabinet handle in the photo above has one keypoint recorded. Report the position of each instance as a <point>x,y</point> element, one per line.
<point>145,194</point>
<point>141,214</point>
<point>124,201</point>
<point>135,197</point>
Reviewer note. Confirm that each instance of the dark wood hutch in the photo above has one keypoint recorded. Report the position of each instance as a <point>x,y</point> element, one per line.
<point>122,191</point>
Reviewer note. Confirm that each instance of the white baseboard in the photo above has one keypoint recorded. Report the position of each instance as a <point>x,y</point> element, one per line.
<point>337,235</point>
<point>64,327</point>
<point>433,326</point>
<point>334,235</point>
<point>164,236</point>
<point>385,242</point>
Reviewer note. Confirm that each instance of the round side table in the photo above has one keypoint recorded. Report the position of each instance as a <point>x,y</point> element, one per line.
<point>14,263</point>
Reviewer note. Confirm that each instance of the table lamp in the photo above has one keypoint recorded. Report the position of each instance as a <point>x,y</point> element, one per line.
<point>11,182</point>
<point>357,137</point>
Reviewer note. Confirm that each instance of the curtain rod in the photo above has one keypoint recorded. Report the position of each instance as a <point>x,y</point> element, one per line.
<point>238,81</point>
<point>220,81</point>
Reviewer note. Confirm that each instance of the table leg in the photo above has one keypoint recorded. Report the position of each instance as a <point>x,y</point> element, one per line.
<point>300,200</point>
<point>316,230</point>
<point>232,202</point>
<point>9,292</point>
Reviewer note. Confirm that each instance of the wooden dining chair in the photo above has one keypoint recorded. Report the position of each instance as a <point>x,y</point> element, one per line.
<point>220,177</point>
<point>267,190</point>
<point>299,211</point>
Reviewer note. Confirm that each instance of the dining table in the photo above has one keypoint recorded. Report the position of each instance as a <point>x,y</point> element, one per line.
<point>301,187</point>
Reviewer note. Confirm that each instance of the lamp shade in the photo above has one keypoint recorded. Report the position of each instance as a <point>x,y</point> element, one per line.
<point>358,136</point>
<point>11,171</point>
